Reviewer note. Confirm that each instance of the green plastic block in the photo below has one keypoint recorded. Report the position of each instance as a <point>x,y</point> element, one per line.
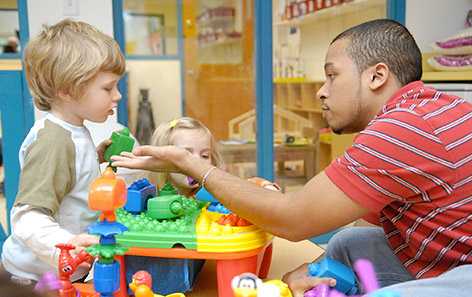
<point>167,189</point>
<point>145,231</point>
<point>106,253</point>
<point>167,205</point>
<point>120,142</point>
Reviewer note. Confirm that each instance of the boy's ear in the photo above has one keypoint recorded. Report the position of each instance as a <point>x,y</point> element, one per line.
<point>378,75</point>
<point>64,95</point>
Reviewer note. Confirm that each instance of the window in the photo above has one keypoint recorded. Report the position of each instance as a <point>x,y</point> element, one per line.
<point>150,27</point>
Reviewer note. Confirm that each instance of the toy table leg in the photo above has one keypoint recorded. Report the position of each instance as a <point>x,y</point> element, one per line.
<point>123,290</point>
<point>265,265</point>
<point>227,269</point>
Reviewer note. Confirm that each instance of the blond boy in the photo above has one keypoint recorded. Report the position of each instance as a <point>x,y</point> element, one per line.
<point>72,71</point>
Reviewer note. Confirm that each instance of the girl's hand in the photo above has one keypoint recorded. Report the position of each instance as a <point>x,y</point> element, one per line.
<point>101,148</point>
<point>153,158</point>
<point>299,281</point>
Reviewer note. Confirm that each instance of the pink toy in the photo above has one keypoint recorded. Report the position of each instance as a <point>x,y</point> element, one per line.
<point>47,283</point>
<point>366,274</point>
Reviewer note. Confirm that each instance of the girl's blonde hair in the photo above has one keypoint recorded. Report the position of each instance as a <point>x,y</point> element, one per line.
<point>163,134</point>
<point>66,57</point>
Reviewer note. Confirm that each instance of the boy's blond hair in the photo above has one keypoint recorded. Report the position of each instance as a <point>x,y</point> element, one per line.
<point>65,57</point>
<point>163,134</point>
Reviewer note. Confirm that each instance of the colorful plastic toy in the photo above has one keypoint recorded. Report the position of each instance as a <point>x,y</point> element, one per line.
<point>167,205</point>
<point>120,142</point>
<point>265,183</point>
<point>249,285</point>
<point>368,280</point>
<point>139,193</point>
<point>197,235</point>
<point>321,290</point>
<point>107,193</point>
<point>366,273</point>
<point>345,278</point>
<point>218,207</point>
<point>48,283</point>
<point>204,195</point>
<point>233,220</point>
<point>67,266</point>
<point>235,248</point>
<point>142,284</point>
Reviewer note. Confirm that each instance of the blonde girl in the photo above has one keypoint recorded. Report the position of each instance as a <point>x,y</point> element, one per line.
<point>195,137</point>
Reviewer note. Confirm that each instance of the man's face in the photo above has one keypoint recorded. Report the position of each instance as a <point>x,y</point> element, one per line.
<point>341,94</point>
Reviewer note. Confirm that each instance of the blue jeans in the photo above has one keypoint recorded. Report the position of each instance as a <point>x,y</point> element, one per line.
<point>354,243</point>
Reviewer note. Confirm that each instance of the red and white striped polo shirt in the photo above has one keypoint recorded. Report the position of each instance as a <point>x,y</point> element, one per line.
<point>412,166</point>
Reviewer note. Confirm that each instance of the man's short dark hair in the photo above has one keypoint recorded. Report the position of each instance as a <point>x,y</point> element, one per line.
<point>384,41</point>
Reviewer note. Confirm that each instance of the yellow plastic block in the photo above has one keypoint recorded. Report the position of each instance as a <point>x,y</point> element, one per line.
<point>213,237</point>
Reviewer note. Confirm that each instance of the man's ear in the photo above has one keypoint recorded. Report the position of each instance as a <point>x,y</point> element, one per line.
<point>378,75</point>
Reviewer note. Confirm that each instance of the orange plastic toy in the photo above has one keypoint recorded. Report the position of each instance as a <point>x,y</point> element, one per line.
<point>107,193</point>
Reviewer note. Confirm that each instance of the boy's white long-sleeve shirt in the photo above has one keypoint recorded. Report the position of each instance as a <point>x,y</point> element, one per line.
<point>58,163</point>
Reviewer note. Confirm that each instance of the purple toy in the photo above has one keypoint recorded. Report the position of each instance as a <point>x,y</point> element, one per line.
<point>321,290</point>
<point>366,274</point>
<point>48,282</point>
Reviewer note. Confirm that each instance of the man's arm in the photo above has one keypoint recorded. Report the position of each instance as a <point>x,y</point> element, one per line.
<point>318,207</point>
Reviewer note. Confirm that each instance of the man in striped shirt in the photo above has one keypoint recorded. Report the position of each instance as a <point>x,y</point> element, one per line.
<point>409,170</point>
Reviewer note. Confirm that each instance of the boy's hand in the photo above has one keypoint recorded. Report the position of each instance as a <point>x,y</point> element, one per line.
<point>299,282</point>
<point>82,241</point>
<point>101,148</point>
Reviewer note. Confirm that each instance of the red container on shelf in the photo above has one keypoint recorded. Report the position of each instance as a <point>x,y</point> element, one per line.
<point>295,10</point>
<point>319,4</point>
<point>310,4</point>
<point>303,8</point>
<point>288,12</point>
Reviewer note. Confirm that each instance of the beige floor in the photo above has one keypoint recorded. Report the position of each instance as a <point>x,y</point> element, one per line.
<point>286,256</point>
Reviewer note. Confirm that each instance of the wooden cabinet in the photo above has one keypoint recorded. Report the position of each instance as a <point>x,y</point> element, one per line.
<point>299,98</point>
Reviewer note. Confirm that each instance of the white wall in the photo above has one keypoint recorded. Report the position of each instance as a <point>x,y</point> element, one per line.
<point>98,13</point>
<point>8,23</point>
<point>431,20</point>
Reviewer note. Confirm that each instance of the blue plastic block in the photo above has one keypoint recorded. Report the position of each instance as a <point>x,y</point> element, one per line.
<point>106,278</point>
<point>138,194</point>
<point>107,240</point>
<point>106,228</point>
<point>204,195</point>
<point>345,278</point>
<point>168,275</point>
<point>218,207</point>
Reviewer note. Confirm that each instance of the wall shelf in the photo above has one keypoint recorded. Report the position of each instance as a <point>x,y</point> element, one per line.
<point>333,11</point>
<point>429,74</point>
<point>224,41</point>
<point>447,76</point>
